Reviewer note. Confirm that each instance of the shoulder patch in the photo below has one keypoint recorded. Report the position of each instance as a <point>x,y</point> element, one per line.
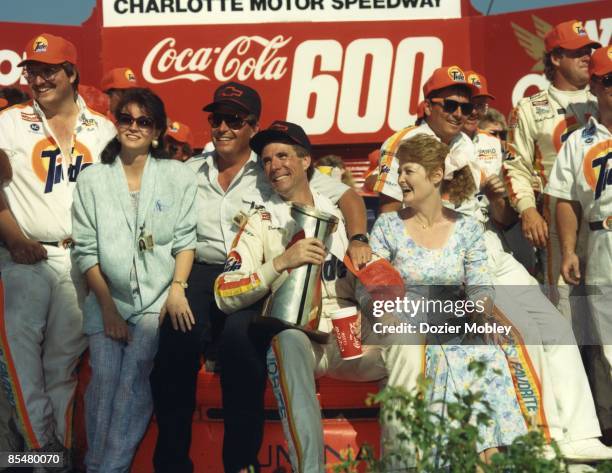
<point>541,106</point>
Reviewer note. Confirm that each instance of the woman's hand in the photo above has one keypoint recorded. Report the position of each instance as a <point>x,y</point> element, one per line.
<point>177,307</point>
<point>114,325</point>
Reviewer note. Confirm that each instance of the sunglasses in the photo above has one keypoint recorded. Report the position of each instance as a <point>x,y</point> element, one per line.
<point>46,72</point>
<point>576,53</point>
<point>450,106</point>
<point>235,122</point>
<point>125,120</point>
<point>501,134</point>
<point>606,80</point>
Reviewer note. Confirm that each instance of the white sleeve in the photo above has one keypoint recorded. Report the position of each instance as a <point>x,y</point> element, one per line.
<point>331,188</point>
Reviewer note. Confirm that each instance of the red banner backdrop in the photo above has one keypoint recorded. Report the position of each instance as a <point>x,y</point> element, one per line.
<point>346,82</point>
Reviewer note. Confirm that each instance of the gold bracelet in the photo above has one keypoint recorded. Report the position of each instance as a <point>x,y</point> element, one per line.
<point>183,284</point>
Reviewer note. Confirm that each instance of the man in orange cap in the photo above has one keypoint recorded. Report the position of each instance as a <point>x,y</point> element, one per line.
<point>538,127</point>
<point>48,141</point>
<point>115,82</point>
<point>581,181</point>
<point>564,403</point>
<point>179,141</point>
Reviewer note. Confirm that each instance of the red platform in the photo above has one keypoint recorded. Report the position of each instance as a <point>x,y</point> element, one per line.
<point>347,423</point>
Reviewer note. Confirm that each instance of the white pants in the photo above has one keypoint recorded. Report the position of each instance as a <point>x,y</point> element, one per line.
<point>42,339</point>
<point>601,308</point>
<point>567,399</point>
<point>293,364</point>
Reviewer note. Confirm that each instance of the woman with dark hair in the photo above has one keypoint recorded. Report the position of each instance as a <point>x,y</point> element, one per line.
<point>134,231</point>
<point>441,253</point>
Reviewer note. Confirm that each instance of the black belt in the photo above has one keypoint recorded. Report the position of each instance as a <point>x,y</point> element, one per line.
<point>67,243</point>
<point>601,224</point>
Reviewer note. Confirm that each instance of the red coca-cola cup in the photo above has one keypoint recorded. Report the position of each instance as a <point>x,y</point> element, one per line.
<point>347,331</point>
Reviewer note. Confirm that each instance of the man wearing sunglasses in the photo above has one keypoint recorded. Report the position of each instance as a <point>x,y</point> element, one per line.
<point>538,126</point>
<point>231,182</point>
<point>565,403</point>
<point>581,180</point>
<point>48,141</point>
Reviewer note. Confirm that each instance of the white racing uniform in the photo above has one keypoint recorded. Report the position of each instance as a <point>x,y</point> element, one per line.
<point>41,326</point>
<point>538,126</point>
<point>568,409</point>
<point>583,173</point>
<point>294,360</point>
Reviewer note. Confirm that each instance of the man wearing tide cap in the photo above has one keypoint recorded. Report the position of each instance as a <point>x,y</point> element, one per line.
<point>581,180</point>
<point>563,403</point>
<point>115,82</point>
<point>48,141</point>
<point>179,141</point>
<point>230,182</point>
<point>266,257</point>
<point>538,126</point>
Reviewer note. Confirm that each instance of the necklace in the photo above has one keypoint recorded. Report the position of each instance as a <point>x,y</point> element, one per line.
<point>424,226</point>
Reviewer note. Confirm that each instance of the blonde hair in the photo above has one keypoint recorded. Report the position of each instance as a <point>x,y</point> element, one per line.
<point>431,154</point>
<point>337,162</point>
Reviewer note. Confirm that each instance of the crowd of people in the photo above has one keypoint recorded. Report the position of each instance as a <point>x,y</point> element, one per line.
<point>116,238</point>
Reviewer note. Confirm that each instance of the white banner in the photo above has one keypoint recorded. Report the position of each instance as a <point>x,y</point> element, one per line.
<point>119,13</point>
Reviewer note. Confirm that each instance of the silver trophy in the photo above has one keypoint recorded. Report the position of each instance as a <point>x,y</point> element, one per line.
<point>297,302</point>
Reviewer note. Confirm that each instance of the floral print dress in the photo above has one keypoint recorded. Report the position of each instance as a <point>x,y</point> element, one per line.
<point>462,261</point>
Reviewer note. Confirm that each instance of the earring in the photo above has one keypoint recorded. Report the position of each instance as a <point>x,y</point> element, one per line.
<point>155,143</point>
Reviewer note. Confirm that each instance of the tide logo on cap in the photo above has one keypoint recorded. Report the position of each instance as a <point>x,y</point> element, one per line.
<point>40,45</point>
<point>456,74</point>
<point>231,91</point>
<point>579,29</point>
<point>595,167</point>
<point>474,80</point>
<point>174,127</point>
<point>129,75</point>
<point>610,53</point>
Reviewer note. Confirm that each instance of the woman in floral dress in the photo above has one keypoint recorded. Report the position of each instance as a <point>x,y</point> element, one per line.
<point>432,246</point>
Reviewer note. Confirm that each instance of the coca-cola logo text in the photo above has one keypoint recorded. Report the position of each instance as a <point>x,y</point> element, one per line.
<point>241,59</point>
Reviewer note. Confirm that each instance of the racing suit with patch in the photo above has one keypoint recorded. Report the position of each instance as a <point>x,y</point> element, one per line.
<point>583,173</point>
<point>538,126</point>
<point>294,360</point>
<point>41,327</point>
<point>568,408</point>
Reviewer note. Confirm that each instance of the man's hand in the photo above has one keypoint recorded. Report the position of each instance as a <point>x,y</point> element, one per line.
<point>535,228</point>
<point>570,268</point>
<point>493,187</point>
<point>114,325</point>
<point>26,251</point>
<point>305,251</point>
<point>360,253</point>
<point>177,307</point>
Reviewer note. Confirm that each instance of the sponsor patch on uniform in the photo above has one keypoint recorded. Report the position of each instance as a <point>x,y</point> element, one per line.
<point>233,262</point>
<point>265,216</point>
<point>384,169</point>
<point>30,117</point>
<point>34,127</point>
<point>540,103</point>
<point>88,122</point>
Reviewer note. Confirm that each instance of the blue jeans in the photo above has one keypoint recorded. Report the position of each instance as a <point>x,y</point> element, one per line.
<point>118,402</point>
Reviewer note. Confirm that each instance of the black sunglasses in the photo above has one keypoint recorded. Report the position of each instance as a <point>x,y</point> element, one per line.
<point>450,106</point>
<point>501,134</point>
<point>606,80</point>
<point>235,122</point>
<point>126,120</point>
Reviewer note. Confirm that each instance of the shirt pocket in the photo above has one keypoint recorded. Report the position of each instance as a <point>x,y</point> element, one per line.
<point>164,212</point>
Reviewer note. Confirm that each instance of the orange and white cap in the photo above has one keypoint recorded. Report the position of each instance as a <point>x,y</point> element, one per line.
<point>601,62</point>
<point>119,78</point>
<point>568,35</point>
<point>179,132</point>
<point>49,49</point>
<point>447,77</point>
<point>480,82</point>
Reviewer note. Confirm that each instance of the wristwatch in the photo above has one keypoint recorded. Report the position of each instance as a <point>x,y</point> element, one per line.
<point>360,237</point>
<point>183,284</point>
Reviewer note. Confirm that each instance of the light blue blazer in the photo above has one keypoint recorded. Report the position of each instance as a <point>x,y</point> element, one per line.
<point>105,233</point>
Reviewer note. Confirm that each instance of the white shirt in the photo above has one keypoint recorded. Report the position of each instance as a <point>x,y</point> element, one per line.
<point>217,208</point>
<point>583,172</point>
<point>40,192</point>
